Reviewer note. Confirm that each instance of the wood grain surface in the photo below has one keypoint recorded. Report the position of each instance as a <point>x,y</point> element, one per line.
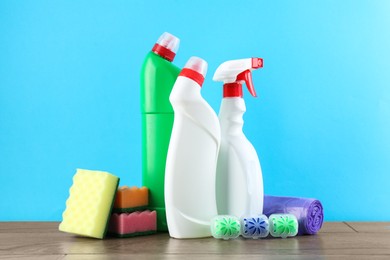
<point>336,240</point>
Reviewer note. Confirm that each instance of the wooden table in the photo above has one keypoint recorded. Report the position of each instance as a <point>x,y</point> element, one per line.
<point>336,240</point>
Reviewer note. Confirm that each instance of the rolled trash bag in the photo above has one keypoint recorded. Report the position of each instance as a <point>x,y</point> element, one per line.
<point>309,212</point>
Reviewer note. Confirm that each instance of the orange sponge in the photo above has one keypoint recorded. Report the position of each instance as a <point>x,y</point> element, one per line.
<point>131,199</point>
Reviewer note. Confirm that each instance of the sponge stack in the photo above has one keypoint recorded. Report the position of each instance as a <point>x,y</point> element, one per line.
<point>90,202</point>
<point>130,218</point>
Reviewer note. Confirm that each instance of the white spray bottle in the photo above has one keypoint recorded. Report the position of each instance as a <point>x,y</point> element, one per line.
<point>239,184</point>
<point>190,200</point>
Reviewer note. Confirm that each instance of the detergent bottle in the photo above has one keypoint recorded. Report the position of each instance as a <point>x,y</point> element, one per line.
<point>158,75</point>
<point>239,183</point>
<point>192,156</point>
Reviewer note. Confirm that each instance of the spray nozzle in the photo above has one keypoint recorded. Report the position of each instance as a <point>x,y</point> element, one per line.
<point>257,63</point>
<point>237,71</point>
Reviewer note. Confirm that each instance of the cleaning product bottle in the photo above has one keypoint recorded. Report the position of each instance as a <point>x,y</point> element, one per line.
<point>158,75</point>
<point>239,180</point>
<point>192,156</point>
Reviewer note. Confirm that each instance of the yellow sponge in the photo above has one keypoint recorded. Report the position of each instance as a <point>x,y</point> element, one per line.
<point>90,202</point>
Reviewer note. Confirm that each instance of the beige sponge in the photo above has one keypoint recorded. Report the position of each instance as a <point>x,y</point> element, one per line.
<point>90,202</point>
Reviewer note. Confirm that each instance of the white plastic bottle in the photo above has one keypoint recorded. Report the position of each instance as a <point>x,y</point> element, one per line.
<point>192,156</point>
<point>239,184</point>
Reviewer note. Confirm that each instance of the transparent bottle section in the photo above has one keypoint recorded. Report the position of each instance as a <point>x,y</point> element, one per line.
<point>197,64</point>
<point>169,41</point>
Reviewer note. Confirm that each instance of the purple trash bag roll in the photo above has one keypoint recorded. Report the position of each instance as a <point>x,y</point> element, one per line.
<point>309,212</point>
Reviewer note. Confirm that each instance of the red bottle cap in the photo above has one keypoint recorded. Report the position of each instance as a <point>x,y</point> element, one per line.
<point>195,69</point>
<point>166,46</point>
<point>232,89</point>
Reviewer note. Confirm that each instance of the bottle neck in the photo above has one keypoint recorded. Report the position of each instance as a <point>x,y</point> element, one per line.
<point>231,115</point>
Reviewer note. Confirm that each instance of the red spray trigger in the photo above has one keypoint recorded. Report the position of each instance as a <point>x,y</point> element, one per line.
<point>247,77</point>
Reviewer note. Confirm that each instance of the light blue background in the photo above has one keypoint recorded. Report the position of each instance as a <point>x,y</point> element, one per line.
<point>69,94</point>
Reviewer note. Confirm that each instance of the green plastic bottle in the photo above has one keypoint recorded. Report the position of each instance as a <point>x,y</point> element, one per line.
<point>158,76</point>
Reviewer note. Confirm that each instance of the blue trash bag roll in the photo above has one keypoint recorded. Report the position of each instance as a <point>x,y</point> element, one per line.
<point>309,212</point>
